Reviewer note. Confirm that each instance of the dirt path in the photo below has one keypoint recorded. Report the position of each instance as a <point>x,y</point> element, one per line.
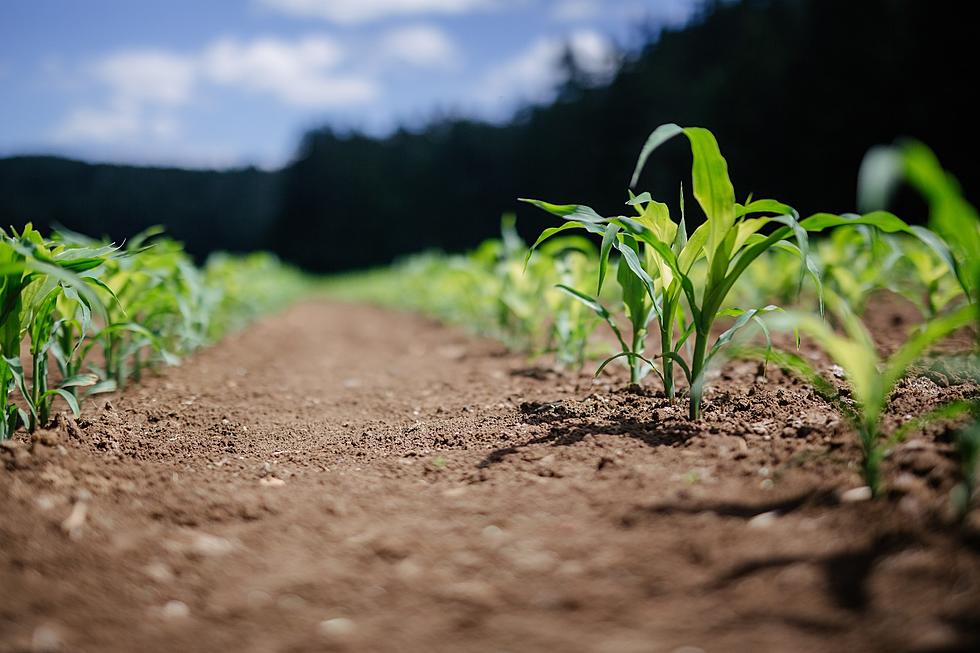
<point>341,477</point>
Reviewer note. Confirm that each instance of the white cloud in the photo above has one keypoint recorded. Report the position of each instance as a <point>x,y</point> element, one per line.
<point>296,73</point>
<point>533,74</point>
<point>593,52</point>
<point>146,87</point>
<point>120,122</point>
<point>148,76</point>
<point>424,46</point>
<point>361,11</point>
<point>99,125</point>
<point>575,10</point>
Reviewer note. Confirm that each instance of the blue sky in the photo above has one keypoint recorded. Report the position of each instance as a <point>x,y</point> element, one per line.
<point>219,83</point>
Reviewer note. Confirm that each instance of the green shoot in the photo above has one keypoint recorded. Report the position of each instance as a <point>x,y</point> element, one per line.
<point>871,379</point>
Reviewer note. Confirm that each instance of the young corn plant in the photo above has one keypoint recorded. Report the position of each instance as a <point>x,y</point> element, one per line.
<point>574,262</point>
<point>956,220</point>
<point>926,280</point>
<point>854,263</point>
<point>37,275</point>
<point>657,257</point>
<point>870,378</point>
<point>950,215</point>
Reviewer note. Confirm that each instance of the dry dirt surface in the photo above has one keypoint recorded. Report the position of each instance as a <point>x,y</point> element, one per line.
<point>342,477</point>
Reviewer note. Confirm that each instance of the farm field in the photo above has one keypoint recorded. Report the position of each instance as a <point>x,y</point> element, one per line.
<point>488,326</point>
<point>231,456</point>
<point>341,477</point>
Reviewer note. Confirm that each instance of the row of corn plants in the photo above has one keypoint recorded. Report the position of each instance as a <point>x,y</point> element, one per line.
<point>674,299</point>
<point>79,316</point>
<point>496,290</point>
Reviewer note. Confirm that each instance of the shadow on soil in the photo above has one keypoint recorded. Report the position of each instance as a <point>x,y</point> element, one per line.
<point>569,428</point>
<point>845,572</point>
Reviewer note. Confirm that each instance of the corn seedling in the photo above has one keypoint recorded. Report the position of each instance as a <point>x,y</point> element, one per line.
<point>950,215</point>
<point>38,278</point>
<point>573,260</point>
<point>65,297</point>
<point>870,379</point>
<point>657,257</point>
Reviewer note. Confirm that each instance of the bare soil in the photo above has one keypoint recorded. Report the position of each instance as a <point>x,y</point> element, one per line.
<point>341,477</point>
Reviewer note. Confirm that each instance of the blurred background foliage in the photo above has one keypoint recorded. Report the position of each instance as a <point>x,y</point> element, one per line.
<point>797,90</point>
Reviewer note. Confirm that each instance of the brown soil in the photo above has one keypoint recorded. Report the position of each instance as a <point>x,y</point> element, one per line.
<point>343,477</point>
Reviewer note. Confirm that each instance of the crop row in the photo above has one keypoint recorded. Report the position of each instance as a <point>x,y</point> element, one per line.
<point>647,277</point>
<point>80,316</point>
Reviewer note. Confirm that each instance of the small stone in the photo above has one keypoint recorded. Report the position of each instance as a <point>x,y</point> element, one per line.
<point>175,610</point>
<point>763,520</point>
<point>337,628</point>
<point>856,495</point>
<point>837,371</point>
<point>493,534</point>
<point>45,502</point>
<point>210,545</point>
<point>271,481</point>
<point>46,639</point>
<point>159,572</point>
<point>408,570</point>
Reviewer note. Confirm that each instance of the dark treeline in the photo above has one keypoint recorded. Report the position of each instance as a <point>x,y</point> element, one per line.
<point>232,210</point>
<point>795,90</point>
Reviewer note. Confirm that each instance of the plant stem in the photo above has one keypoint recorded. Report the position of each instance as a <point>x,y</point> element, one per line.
<point>635,362</point>
<point>697,370</point>
<point>667,345</point>
<point>873,455</point>
<point>38,383</point>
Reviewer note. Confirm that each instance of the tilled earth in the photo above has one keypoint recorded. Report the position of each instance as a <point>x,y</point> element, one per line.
<point>341,477</point>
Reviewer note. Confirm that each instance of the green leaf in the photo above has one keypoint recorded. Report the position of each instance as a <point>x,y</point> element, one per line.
<point>888,223</point>
<point>608,239</point>
<point>633,262</point>
<point>551,231</point>
<point>567,211</point>
<point>951,410</point>
<point>631,355</point>
<point>660,135</point>
<point>598,308</point>
<point>68,397</point>
<point>712,187</point>
<point>742,318</point>
<point>879,175</point>
<point>642,198</point>
<point>763,206</point>
<point>79,380</point>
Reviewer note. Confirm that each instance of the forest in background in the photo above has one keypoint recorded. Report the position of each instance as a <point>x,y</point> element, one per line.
<point>795,90</point>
